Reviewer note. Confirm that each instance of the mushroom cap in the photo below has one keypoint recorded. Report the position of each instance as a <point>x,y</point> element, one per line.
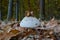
<point>30,22</point>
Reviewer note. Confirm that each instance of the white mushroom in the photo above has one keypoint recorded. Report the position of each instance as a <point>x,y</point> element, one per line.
<point>30,22</point>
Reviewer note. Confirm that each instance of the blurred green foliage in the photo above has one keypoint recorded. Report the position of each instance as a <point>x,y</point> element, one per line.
<point>52,8</point>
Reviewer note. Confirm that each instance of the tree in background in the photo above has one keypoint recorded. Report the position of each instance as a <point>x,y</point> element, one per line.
<point>52,8</point>
<point>17,10</point>
<point>10,9</point>
<point>0,9</point>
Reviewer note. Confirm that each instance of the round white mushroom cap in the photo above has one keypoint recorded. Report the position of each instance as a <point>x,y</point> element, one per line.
<point>30,22</point>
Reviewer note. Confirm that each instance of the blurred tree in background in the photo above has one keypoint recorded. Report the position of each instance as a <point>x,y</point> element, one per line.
<point>52,8</point>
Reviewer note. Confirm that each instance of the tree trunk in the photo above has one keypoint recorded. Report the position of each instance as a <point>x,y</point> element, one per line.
<point>17,10</point>
<point>0,9</point>
<point>42,9</point>
<point>10,10</point>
